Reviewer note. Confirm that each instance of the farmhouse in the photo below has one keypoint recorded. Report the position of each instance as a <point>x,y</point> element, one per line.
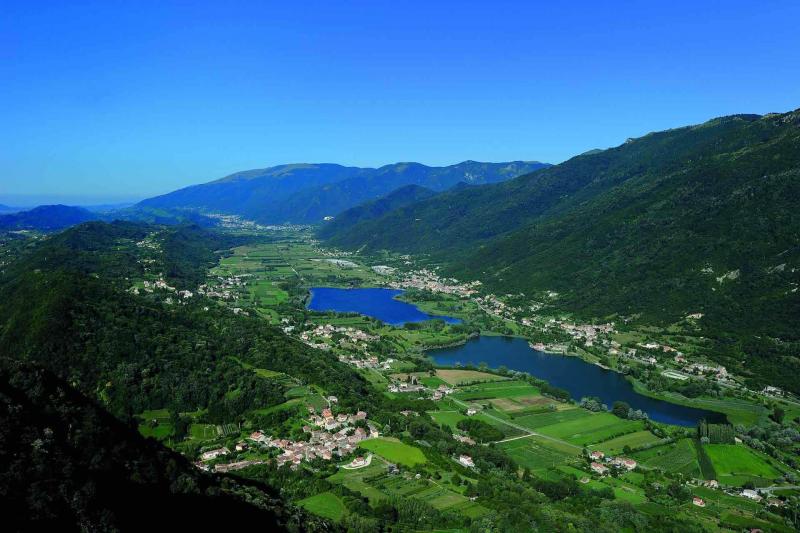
<point>471,411</point>
<point>466,460</point>
<point>753,495</point>
<point>597,455</point>
<point>213,454</point>
<point>358,462</point>
<point>698,502</point>
<point>599,468</point>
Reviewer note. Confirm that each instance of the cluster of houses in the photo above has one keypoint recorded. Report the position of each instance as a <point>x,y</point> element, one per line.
<point>368,362</point>
<point>586,332</point>
<point>325,442</point>
<point>413,385</point>
<point>225,288</point>
<point>351,337</point>
<point>429,281</point>
<point>616,462</point>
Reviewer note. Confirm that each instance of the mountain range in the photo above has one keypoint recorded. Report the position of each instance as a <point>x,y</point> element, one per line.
<point>46,218</point>
<point>699,219</point>
<point>307,193</point>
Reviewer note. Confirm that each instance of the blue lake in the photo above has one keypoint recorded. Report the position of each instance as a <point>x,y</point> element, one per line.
<point>571,373</point>
<point>378,303</point>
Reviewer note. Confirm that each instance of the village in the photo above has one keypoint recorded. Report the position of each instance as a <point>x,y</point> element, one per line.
<point>330,436</point>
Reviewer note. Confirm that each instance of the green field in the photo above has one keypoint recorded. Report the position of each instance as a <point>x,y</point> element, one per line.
<point>529,453</point>
<point>737,464</point>
<point>449,418</point>
<point>455,376</point>
<point>506,389</point>
<point>633,440</point>
<point>359,480</point>
<point>679,456</point>
<point>326,505</point>
<point>595,428</point>
<point>395,451</point>
<point>554,417</point>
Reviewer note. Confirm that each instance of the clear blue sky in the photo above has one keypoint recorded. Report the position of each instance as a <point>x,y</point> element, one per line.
<point>108,100</point>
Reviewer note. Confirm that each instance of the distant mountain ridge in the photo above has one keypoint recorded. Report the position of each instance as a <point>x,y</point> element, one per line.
<point>307,193</point>
<point>46,218</point>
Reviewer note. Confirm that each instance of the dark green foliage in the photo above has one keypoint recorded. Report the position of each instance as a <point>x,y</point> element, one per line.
<point>620,409</point>
<point>706,465</point>
<point>716,433</point>
<point>646,228</point>
<point>370,210</point>
<point>479,430</point>
<point>66,309</point>
<point>67,465</point>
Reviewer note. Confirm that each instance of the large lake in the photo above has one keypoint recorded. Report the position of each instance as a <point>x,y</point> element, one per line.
<point>378,303</point>
<point>571,373</point>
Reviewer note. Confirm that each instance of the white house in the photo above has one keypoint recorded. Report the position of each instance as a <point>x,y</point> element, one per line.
<point>466,460</point>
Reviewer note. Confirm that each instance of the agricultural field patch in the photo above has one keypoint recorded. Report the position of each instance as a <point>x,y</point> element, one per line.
<point>736,464</point>
<point>633,440</point>
<point>531,454</point>
<point>326,505</point>
<point>449,418</point>
<point>679,456</point>
<point>360,480</point>
<point>458,376</point>
<point>538,420</point>
<point>592,429</point>
<point>394,451</point>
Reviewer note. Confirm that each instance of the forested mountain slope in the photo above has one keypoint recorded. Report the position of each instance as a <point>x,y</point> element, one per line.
<point>370,210</point>
<point>697,219</point>
<point>67,306</point>
<point>306,193</point>
<point>67,465</point>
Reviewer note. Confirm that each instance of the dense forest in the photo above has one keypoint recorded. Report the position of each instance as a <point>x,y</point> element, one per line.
<point>68,309</point>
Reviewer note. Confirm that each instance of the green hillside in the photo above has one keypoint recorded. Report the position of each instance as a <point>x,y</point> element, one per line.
<point>401,197</point>
<point>696,219</point>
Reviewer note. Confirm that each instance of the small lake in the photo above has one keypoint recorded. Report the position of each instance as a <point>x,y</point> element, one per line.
<point>571,373</point>
<point>375,302</point>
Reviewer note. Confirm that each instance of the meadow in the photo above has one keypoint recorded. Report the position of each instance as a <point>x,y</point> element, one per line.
<point>679,457</point>
<point>737,464</point>
<point>326,505</point>
<point>394,451</point>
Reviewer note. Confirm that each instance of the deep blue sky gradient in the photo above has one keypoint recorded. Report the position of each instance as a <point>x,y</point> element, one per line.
<point>110,100</point>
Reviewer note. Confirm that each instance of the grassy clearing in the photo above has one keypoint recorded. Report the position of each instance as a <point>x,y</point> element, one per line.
<point>457,376</point>
<point>449,418</point>
<point>529,453</point>
<point>395,451</point>
<point>359,481</point>
<point>326,505</point>
<point>540,420</point>
<point>737,464</point>
<point>633,440</point>
<point>511,389</point>
<point>592,429</point>
<point>679,456</point>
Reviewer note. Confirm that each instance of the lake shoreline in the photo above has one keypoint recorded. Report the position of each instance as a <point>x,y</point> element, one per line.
<point>573,373</point>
